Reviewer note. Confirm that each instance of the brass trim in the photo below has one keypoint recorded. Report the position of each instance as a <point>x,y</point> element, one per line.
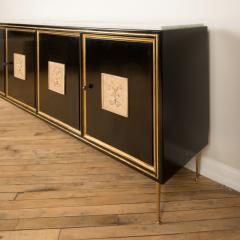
<point>18,105</point>
<point>21,103</point>
<point>119,152</point>
<point>153,168</point>
<point>22,29</point>
<point>156,106</point>
<point>59,122</point>
<point>118,38</point>
<point>152,174</point>
<point>6,60</point>
<point>78,29</point>
<point>60,33</point>
<point>118,33</point>
<point>37,75</point>
<point>84,94</point>
<point>4,71</point>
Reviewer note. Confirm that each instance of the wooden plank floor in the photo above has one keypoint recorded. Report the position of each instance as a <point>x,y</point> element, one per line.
<point>54,187</point>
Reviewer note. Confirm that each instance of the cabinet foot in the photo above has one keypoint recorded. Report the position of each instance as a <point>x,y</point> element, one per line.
<point>158,188</point>
<point>198,159</point>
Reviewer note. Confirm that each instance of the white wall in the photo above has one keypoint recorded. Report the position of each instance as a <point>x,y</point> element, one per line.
<point>223,19</point>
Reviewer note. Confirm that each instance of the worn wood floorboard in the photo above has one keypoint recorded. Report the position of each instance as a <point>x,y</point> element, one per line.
<point>54,187</point>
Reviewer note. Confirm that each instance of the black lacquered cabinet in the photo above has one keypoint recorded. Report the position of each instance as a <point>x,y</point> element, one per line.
<point>59,78</point>
<point>2,61</point>
<point>21,67</point>
<point>140,96</point>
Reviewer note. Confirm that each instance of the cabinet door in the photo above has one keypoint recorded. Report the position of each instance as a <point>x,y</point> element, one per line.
<point>2,60</point>
<point>21,58</point>
<point>59,78</point>
<point>119,83</point>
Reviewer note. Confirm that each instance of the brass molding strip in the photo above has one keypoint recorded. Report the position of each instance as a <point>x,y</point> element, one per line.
<point>119,152</point>
<point>6,60</point>
<point>156,105</point>
<point>84,83</point>
<point>119,33</point>
<point>21,103</point>
<point>118,38</point>
<point>78,29</point>
<point>37,75</point>
<point>3,93</point>
<point>61,33</point>
<point>18,105</point>
<point>22,29</point>
<point>52,119</point>
<point>154,167</point>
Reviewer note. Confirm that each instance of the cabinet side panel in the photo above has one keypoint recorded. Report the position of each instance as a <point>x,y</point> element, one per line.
<point>185,82</point>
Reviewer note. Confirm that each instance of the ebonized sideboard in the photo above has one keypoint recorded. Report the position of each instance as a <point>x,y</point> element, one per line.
<point>140,96</point>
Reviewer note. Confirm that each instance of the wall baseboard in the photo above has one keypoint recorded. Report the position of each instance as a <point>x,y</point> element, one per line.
<point>218,172</point>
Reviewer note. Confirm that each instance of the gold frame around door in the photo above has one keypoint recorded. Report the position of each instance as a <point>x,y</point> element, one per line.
<point>152,170</point>
<point>40,113</point>
<point>4,93</point>
<point>12,99</point>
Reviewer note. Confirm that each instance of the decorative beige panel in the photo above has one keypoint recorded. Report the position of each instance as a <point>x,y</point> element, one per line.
<point>19,66</point>
<point>56,77</point>
<point>115,94</point>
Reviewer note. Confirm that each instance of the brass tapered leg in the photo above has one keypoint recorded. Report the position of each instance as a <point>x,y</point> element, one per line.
<point>158,187</point>
<point>198,158</point>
